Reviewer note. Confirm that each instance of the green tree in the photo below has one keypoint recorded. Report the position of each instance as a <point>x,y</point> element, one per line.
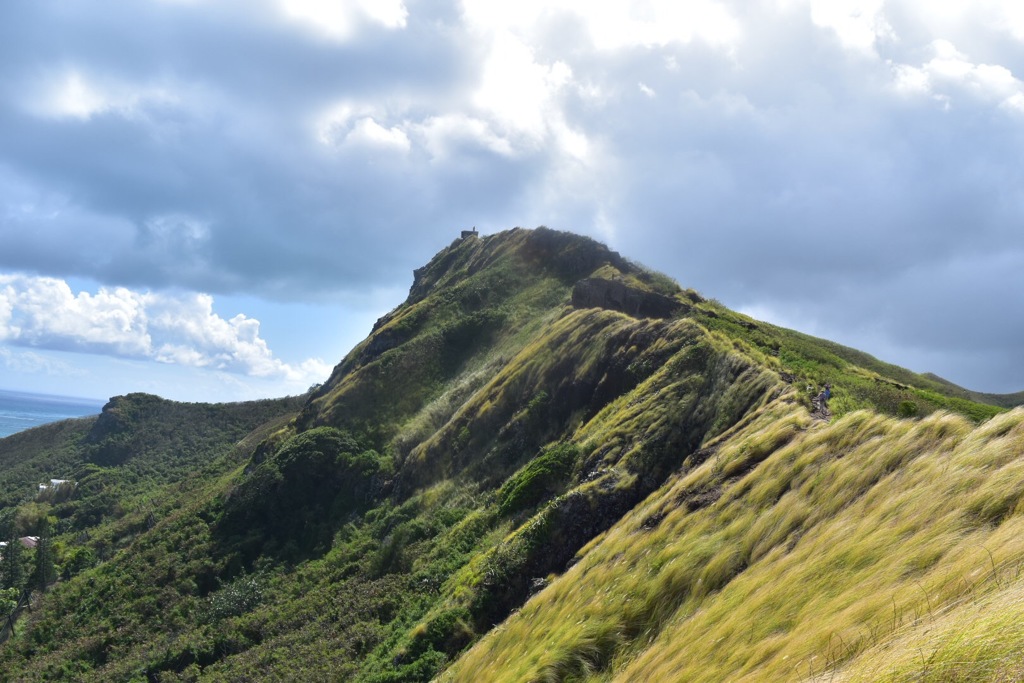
<point>8,601</point>
<point>76,561</point>
<point>12,571</point>
<point>44,573</point>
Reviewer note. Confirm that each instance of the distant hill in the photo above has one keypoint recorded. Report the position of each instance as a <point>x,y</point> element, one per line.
<point>1004,400</point>
<point>548,464</point>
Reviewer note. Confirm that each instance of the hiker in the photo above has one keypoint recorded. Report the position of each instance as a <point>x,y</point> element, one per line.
<point>821,400</point>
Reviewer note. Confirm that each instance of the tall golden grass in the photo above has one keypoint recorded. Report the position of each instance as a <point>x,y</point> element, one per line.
<point>868,549</point>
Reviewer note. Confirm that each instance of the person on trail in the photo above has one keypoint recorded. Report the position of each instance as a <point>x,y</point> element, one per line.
<point>821,400</point>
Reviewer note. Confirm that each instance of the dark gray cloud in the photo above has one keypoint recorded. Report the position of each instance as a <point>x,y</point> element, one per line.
<point>812,190</point>
<point>209,117</point>
<point>853,173</point>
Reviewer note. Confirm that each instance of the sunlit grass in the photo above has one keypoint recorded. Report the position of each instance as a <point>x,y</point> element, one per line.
<point>866,549</point>
<point>979,638</point>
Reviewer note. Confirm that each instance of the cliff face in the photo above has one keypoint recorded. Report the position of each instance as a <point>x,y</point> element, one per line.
<point>545,436</point>
<point>595,292</point>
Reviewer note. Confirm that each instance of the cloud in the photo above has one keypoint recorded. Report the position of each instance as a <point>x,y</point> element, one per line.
<point>859,24</point>
<point>296,150</point>
<point>949,73</point>
<point>32,363</point>
<point>614,25</point>
<point>340,20</point>
<point>518,92</point>
<point>369,133</point>
<point>451,134</point>
<point>182,329</point>
<point>69,93</point>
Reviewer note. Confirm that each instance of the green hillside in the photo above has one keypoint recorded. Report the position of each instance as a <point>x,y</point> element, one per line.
<point>548,464</point>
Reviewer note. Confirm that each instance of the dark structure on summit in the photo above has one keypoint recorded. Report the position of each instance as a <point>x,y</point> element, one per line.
<point>469,233</point>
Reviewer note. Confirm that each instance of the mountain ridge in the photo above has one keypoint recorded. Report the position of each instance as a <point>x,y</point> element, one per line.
<point>538,403</point>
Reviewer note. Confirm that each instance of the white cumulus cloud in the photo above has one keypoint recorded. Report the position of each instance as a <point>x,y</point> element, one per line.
<point>859,24</point>
<point>444,136</point>
<point>612,24</point>
<point>341,19</point>
<point>516,90</point>
<point>950,73</point>
<point>367,132</point>
<point>182,329</point>
<point>522,97</point>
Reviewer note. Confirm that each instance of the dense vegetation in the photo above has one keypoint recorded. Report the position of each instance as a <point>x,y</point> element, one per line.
<point>500,485</point>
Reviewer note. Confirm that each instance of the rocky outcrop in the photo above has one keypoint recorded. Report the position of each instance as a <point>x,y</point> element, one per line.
<point>618,296</point>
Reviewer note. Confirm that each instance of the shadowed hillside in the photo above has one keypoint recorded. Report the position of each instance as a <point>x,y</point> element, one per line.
<point>547,464</point>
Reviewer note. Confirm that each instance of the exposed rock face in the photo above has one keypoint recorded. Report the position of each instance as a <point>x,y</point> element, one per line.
<point>617,296</point>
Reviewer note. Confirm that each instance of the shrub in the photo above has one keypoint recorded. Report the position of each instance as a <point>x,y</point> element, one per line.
<point>235,598</point>
<point>77,560</point>
<point>8,601</point>
<point>447,632</point>
<point>298,496</point>
<point>907,409</point>
<point>543,477</point>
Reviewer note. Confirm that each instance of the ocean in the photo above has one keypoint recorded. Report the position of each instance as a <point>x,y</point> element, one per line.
<point>21,410</point>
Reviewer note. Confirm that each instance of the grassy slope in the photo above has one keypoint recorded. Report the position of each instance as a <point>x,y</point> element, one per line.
<point>867,549</point>
<point>1003,400</point>
<point>517,429</point>
<point>859,380</point>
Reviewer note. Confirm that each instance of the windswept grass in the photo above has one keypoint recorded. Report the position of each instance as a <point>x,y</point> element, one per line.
<point>853,549</point>
<point>860,380</point>
<point>977,638</point>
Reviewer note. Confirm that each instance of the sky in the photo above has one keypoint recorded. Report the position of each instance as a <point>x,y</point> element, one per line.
<point>215,199</point>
